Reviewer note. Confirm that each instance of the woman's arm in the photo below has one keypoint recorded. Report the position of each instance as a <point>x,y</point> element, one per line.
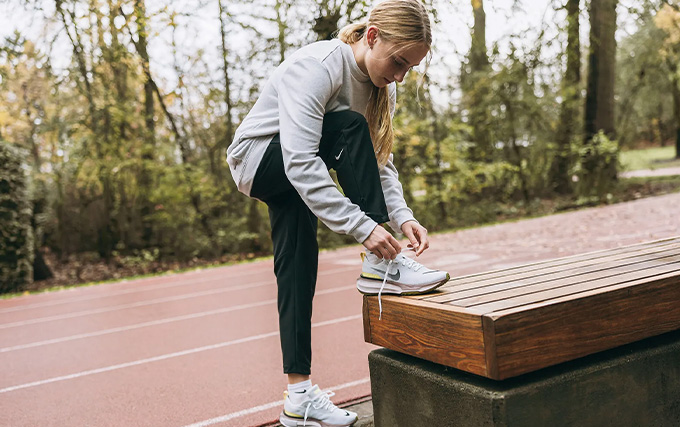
<point>304,90</point>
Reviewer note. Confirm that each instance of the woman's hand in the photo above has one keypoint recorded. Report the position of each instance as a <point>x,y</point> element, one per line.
<point>382,243</point>
<point>417,234</point>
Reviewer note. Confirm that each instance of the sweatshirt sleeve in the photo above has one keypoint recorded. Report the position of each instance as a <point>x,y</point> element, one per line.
<point>304,90</point>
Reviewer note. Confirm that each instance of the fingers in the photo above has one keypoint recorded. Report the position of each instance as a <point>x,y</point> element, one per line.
<point>384,245</point>
<point>394,248</point>
<point>381,243</point>
<point>411,237</point>
<point>418,237</point>
<point>389,247</point>
<point>424,241</point>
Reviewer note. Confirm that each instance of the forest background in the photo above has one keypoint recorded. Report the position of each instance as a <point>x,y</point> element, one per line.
<point>115,116</point>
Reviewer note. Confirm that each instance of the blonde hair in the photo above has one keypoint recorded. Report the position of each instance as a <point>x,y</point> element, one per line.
<point>404,23</point>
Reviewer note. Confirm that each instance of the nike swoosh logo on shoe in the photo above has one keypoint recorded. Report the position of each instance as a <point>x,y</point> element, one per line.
<point>394,276</point>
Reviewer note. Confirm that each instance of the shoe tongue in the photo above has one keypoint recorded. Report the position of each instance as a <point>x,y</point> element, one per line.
<point>372,258</point>
<point>314,390</point>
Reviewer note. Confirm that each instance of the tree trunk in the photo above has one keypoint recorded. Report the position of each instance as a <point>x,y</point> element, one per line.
<point>599,111</point>
<point>148,142</point>
<point>675,88</point>
<point>479,60</point>
<point>437,133</point>
<point>571,84</point>
<point>482,149</point>
<point>599,107</point>
<point>229,135</point>
<point>282,30</point>
<point>328,16</point>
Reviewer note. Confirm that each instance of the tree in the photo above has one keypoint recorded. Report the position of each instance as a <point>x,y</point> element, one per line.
<point>328,16</point>
<point>475,85</point>
<point>668,19</point>
<point>599,106</point>
<point>560,176</point>
<point>149,140</point>
<point>16,233</point>
<point>598,159</point>
<point>98,120</point>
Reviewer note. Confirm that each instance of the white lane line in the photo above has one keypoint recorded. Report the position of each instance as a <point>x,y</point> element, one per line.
<point>166,356</point>
<point>108,294</point>
<point>126,306</point>
<point>149,302</point>
<point>267,406</point>
<point>137,289</point>
<point>157,322</point>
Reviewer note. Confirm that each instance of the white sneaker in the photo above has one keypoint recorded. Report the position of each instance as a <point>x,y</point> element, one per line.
<point>316,410</point>
<point>401,276</point>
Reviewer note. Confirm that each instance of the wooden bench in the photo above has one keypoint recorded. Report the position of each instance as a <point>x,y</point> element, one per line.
<point>505,323</point>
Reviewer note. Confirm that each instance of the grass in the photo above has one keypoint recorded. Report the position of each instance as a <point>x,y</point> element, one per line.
<point>649,158</point>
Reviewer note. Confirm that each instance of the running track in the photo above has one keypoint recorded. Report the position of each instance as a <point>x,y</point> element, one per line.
<point>201,348</point>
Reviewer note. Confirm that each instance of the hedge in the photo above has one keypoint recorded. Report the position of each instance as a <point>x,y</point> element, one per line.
<point>16,233</point>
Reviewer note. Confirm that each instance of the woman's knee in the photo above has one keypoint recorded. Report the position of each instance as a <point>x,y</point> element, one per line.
<point>345,119</point>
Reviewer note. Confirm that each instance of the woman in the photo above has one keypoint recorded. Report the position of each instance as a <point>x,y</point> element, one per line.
<point>330,106</point>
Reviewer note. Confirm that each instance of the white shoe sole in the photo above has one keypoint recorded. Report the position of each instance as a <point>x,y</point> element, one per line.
<point>372,287</point>
<point>297,422</point>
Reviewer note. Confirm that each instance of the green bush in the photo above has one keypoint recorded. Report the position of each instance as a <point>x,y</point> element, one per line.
<point>595,168</point>
<point>16,233</point>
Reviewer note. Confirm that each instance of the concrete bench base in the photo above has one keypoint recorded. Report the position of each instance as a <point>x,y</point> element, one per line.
<point>634,385</point>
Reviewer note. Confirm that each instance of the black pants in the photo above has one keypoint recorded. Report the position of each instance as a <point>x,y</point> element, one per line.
<point>294,226</point>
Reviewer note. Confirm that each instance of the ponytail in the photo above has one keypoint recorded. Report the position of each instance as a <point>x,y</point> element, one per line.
<point>352,33</point>
<point>403,22</point>
<point>380,124</point>
<point>378,109</point>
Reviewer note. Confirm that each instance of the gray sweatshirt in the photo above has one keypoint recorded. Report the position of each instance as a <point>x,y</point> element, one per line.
<point>320,78</point>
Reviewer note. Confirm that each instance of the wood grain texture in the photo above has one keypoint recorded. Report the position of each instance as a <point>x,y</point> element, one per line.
<point>530,339</point>
<point>490,352</point>
<point>607,274</point>
<point>543,291</point>
<point>575,290</point>
<point>367,321</point>
<point>540,268</point>
<point>439,334</point>
<point>548,271</point>
<point>509,322</point>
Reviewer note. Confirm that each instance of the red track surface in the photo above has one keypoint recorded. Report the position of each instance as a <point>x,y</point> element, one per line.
<point>202,347</point>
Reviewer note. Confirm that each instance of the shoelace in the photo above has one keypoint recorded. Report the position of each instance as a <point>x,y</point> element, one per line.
<point>406,262</point>
<point>321,401</point>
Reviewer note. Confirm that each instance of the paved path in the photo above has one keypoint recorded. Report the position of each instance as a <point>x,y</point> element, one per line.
<point>650,172</point>
<point>201,348</point>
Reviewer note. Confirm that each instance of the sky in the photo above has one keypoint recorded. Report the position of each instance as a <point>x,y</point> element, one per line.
<point>201,32</point>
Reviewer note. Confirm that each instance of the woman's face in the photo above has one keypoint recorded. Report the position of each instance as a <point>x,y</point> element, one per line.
<point>385,62</point>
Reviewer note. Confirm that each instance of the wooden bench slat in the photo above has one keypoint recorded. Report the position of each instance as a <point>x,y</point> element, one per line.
<point>483,281</point>
<point>574,291</point>
<point>549,281</point>
<point>564,261</point>
<point>665,277</point>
